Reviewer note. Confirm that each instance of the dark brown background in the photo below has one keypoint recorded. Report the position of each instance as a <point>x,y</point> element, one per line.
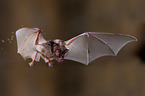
<point>123,75</point>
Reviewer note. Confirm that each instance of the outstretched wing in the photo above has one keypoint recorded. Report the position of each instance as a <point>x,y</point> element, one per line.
<point>26,39</point>
<point>89,46</point>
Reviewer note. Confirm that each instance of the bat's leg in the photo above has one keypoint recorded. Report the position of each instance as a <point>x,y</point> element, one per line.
<point>47,60</point>
<point>37,38</point>
<point>50,64</point>
<point>31,63</point>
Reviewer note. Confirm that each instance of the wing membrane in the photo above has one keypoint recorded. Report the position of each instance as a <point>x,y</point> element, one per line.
<point>26,42</point>
<point>91,45</point>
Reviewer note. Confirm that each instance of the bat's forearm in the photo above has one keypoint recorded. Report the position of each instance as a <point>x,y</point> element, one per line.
<point>37,38</point>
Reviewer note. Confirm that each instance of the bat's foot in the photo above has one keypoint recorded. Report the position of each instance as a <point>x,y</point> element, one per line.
<point>50,64</point>
<point>31,63</point>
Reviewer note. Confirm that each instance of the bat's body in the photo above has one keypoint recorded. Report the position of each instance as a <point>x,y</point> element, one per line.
<point>53,50</point>
<point>83,48</point>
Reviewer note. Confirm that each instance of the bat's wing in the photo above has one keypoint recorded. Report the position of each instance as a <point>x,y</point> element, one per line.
<point>91,45</point>
<point>26,39</point>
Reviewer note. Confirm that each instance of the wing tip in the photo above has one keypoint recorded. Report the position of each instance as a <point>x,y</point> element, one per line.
<point>133,39</point>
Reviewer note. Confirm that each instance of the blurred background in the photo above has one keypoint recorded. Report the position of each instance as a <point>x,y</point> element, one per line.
<point>123,75</point>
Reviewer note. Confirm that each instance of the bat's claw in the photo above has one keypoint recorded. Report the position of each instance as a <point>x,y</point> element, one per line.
<point>31,63</point>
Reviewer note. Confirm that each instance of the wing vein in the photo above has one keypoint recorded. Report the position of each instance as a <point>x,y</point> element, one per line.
<point>103,42</point>
<point>88,57</point>
<point>26,41</point>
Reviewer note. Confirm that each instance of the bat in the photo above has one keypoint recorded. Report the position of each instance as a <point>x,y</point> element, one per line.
<point>83,48</point>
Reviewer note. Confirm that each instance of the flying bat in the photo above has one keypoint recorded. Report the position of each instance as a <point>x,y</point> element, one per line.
<point>83,48</point>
